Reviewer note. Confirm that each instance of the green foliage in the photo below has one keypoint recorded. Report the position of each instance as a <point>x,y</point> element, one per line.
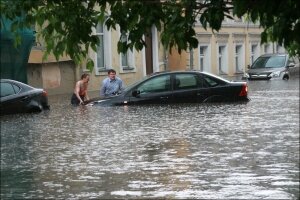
<point>279,19</point>
<point>66,25</point>
<point>90,64</point>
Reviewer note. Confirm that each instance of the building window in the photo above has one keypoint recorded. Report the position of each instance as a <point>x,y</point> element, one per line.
<point>222,60</point>
<point>239,62</point>
<point>100,48</point>
<point>268,48</point>
<point>254,53</point>
<point>103,53</point>
<point>127,59</point>
<point>204,58</point>
<point>279,49</point>
<point>124,56</point>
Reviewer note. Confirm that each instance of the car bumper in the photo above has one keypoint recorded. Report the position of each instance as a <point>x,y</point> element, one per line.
<point>266,76</point>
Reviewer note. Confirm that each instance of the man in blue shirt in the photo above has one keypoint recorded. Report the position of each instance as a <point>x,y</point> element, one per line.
<point>112,85</point>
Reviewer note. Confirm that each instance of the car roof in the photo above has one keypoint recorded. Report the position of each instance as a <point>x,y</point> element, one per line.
<point>9,80</point>
<point>189,71</point>
<point>177,71</point>
<point>182,71</point>
<point>274,54</point>
<point>24,85</point>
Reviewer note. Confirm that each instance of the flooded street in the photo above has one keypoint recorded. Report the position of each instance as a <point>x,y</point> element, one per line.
<point>204,151</point>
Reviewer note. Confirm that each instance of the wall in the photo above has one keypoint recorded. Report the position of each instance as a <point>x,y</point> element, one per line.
<point>59,77</point>
<point>56,78</point>
<point>177,61</point>
<point>230,35</point>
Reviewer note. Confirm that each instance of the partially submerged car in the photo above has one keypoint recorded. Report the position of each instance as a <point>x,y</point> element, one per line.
<point>17,97</point>
<point>178,87</point>
<point>273,66</point>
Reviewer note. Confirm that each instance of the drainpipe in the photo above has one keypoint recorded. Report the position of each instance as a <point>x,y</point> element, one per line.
<point>166,65</point>
<point>191,58</point>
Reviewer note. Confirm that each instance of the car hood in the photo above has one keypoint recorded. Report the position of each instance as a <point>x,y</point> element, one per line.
<point>264,70</point>
<point>102,100</point>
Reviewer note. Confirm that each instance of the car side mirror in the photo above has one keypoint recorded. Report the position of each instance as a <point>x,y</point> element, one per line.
<point>248,66</point>
<point>136,93</point>
<point>291,65</point>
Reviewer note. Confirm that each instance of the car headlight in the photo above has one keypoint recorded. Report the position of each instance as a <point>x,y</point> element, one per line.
<point>275,74</point>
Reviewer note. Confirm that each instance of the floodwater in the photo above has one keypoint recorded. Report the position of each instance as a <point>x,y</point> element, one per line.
<point>204,151</point>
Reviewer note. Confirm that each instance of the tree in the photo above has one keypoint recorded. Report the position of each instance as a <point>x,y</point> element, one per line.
<point>279,19</point>
<point>66,25</point>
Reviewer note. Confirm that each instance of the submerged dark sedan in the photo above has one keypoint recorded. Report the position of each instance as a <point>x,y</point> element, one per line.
<point>17,97</point>
<point>178,87</point>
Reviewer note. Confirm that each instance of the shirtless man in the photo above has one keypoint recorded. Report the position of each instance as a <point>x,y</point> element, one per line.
<point>80,90</point>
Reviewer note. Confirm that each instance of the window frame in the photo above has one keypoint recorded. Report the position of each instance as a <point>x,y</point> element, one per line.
<point>239,58</point>
<point>130,62</point>
<point>204,58</point>
<point>222,59</point>
<point>268,48</point>
<point>254,52</point>
<point>105,46</point>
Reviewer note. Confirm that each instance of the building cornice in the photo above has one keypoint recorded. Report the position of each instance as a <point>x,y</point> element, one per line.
<point>239,34</point>
<point>36,57</point>
<point>203,34</point>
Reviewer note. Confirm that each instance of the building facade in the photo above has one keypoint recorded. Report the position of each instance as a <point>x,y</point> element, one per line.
<point>227,52</point>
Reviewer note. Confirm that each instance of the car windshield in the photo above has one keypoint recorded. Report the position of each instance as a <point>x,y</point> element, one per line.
<point>269,62</point>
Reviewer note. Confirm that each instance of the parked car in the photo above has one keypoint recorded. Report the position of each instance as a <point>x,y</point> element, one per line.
<point>178,87</point>
<point>273,66</point>
<point>17,97</point>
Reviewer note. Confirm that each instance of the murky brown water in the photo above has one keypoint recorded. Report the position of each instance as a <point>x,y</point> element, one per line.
<point>215,151</point>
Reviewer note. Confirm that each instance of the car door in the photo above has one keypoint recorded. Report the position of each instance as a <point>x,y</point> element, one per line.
<point>11,101</point>
<point>188,88</point>
<point>219,90</point>
<point>156,90</point>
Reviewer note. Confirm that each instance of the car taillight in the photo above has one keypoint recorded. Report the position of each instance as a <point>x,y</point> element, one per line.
<point>244,90</point>
<point>45,94</point>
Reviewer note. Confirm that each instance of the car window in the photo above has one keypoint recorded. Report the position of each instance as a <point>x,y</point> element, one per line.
<point>209,81</point>
<point>276,61</point>
<point>269,62</point>
<point>260,62</point>
<point>16,88</point>
<point>186,81</point>
<point>156,84</point>
<point>7,89</point>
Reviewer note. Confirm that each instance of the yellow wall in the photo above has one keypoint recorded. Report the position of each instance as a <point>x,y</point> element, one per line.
<point>228,35</point>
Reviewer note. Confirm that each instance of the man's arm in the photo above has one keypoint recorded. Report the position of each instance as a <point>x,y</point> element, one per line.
<point>77,89</point>
<point>87,96</point>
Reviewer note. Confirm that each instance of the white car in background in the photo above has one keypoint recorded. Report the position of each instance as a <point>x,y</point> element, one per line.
<point>271,66</point>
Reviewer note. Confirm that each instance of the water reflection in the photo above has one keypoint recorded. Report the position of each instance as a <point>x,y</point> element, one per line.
<point>216,151</point>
